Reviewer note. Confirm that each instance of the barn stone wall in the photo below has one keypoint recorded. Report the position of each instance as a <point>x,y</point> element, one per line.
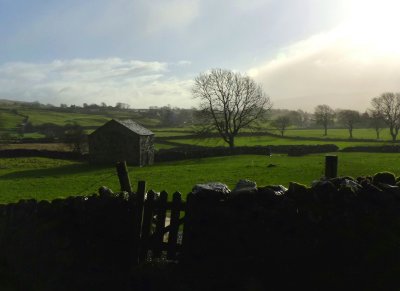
<point>114,143</point>
<point>147,150</point>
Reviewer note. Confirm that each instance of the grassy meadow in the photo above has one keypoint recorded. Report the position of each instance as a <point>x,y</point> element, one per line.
<point>358,133</point>
<point>42,178</point>
<point>272,140</point>
<point>11,118</point>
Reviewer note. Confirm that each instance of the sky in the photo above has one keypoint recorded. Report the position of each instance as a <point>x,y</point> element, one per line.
<point>147,53</point>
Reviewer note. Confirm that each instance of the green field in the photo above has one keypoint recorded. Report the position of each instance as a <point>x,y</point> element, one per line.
<point>43,178</point>
<point>11,118</point>
<point>358,133</point>
<point>162,133</point>
<point>271,140</point>
<point>9,121</point>
<point>38,117</point>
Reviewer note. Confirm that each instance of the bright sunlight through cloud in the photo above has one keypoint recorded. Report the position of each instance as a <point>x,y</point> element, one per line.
<point>347,65</point>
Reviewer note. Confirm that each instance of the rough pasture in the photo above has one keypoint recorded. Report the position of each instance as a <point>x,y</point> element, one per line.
<point>47,179</point>
<point>270,140</point>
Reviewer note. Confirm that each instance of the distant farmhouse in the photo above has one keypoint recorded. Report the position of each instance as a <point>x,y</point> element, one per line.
<point>122,140</point>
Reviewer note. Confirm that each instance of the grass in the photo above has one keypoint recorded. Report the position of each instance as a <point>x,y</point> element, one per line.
<point>159,133</point>
<point>47,179</point>
<point>40,116</point>
<point>359,133</point>
<point>271,140</point>
<point>56,146</point>
<point>9,121</point>
<point>62,147</point>
<point>162,146</point>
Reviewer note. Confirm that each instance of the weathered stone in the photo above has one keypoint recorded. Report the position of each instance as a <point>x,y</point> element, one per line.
<point>123,195</point>
<point>351,184</point>
<point>245,186</point>
<point>211,190</point>
<point>277,189</point>
<point>298,191</point>
<point>325,190</point>
<point>389,188</point>
<point>104,191</point>
<point>384,177</point>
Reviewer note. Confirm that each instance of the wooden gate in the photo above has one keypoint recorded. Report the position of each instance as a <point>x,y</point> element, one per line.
<point>159,221</point>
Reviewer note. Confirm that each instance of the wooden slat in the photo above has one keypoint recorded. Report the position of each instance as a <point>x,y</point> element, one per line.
<point>187,236</point>
<point>146,225</point>
<point>174,222</point>
<point>164,247</point>
<point>138,212</point>
<point>168,228</point>
<point>160,224</point>
<point>181,206</point>
<point>123,177</point>
<point>168,205</point>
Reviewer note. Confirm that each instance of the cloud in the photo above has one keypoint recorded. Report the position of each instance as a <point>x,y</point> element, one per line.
<point>344,67</point>
<point>138,83</point>
<point>170,15</point>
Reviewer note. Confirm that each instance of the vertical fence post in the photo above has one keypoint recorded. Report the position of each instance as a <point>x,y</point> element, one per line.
<point>187,227</point>
<point>331,166</point>
<point>138,213</point>
<point>174,226</point>
<point>160,224</point>
<point>123,177</point>
<point>146,225</point>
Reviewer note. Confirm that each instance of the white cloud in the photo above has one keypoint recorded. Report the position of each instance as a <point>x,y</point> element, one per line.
<point>184,63</point>
<point>344,67</point>
<point>112,80</point>
<point>249,5</point>
<point>170,15</point>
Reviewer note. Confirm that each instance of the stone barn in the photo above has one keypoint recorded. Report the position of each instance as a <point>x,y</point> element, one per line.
<point>122,140</point>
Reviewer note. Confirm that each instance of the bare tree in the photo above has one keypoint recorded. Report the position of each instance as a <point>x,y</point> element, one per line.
<point>229,102</point>
<point>76,137</point>
<point>348,118</point>
<point>387,106</point>
<point>324,115</point>
<point>300,118</point>
<point>376,122</point>
<point>281,123</point>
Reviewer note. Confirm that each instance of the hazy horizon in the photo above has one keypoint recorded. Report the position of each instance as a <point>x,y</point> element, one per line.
<point>303,52</point>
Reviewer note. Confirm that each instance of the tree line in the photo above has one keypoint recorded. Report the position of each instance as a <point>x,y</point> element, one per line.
<point>230,102</point>
<point>327,117</point>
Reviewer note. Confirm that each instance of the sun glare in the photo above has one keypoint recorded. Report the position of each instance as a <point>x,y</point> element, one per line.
<point>374,25</point>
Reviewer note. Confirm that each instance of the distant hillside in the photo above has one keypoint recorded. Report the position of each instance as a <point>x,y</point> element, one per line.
<point>32,119</point>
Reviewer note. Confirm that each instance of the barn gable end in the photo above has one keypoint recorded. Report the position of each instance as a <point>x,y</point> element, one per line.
<point>119,140</point>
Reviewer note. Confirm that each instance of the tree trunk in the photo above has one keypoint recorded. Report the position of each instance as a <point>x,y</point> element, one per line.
<point>282,132</point>
<point>393,133</point>
<point>326,130</point>
<point>231,142</point>
<point>351,132</point>
<point>377,134</point>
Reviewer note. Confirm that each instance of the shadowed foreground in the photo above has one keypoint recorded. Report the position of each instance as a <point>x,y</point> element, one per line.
<point>340,233</point>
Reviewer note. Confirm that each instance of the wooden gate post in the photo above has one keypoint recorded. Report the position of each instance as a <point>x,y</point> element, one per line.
<point>123,177</point>
<point>146,225</point>
<point>174,226</point>
<point>160,224</point>
<point>331,166</point>
<point>138,216</point>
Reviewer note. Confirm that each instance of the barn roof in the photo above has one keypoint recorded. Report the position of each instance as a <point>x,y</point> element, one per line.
<point>135,127</point>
